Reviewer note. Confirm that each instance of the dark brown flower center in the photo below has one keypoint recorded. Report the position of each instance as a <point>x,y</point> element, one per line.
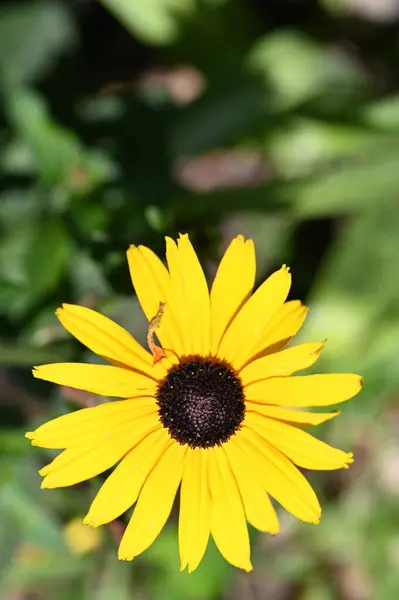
<point>201,402</point>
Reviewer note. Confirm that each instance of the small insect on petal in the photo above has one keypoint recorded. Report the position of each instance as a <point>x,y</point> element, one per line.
<point>157,351</point>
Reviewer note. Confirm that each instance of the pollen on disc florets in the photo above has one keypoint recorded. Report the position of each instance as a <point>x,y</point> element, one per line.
<point>201,402</point>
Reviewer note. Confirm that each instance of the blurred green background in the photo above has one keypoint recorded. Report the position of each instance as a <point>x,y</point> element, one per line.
<point>128,120</point>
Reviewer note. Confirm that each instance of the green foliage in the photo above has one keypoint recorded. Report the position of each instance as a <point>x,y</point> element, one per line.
<point>155,22</point>
<point>123,122</point>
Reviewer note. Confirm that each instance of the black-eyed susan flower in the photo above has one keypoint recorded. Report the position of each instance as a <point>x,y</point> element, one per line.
<point>207,410</point>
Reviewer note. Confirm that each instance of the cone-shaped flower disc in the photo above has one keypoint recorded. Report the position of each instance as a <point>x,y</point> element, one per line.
<point>207,410</point>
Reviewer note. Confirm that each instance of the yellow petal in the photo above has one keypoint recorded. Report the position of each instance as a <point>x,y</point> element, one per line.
<point>90,426</point>
<point>258,508</point>
<point>280,478</point>
<point>107,339</point>
<point>301,447</point>
<point>197,297</point>
<point>195,509</point>
<point>248,326</point>
<point>98,379</point>
<point>151,282</point>
<point>120,491</point>
<point>282,328</point>
<point>305,390</point>
<point>284,362</point>
<point>233,284</point>
<point>79,463</point>
<point>154,504</point>
<point>176,296</point>
<point>299,418</point>
<point>228,524</point>
<point>190,295</point>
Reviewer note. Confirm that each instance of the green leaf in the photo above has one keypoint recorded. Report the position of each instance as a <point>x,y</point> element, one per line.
<point>355,304</point>
<point>46,258</point>
<point>217,118</point>
<point>55,150</point>
<point>317,589</point>
<point>87,275</point>
<point>14,299</point>
<point>363,261</point>
<point>383,114</point>
<point>114,580</point>
<point>90,218</point>
<point>302,145</point>
<point>14,355</point>
<point>349,189</point>
<point>268,196</point>
<point>346,189</point>
<point>60,156</point>
<point>32,36</point>
<point>155,22</point>
<point>17,158</point>
<point>12,255</point>
<point>297,69</point>
<point>30,518</point>
<point>49,567</point>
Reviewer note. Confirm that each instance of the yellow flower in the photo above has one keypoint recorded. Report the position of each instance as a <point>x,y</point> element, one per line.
<point>79,538</point>
<point>206,411</point>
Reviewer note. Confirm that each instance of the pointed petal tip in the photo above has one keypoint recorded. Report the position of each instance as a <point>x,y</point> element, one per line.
<point>285,273</point>
<point>44,470</point>
<point>319,346</point>
<point>64,308</point>
<point>286,269</point>
<point>274,529</point>
<point>241,239</point>
<point>30,435</point>
<point>329,416</point>
<point>123,555</point>
<point>90,522</point>
<point>36,371</point>
<point>314,515</point>
<point>359,381</point>
<point>132,252</point>
<point>249,243</point>
<point>191,567</point>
